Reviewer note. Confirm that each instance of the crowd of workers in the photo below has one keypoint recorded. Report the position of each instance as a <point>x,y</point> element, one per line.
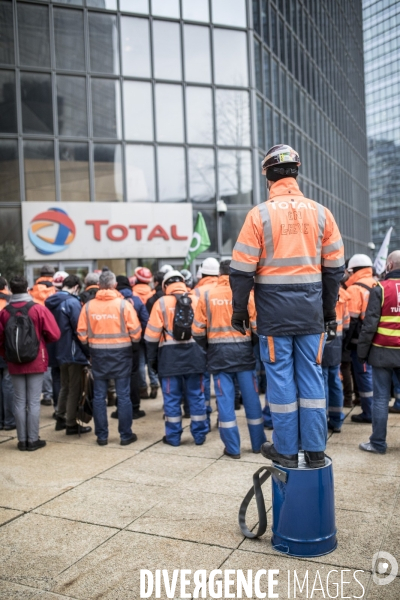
<point>284,316</point>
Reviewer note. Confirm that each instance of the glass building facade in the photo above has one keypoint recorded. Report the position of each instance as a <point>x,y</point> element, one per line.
<point>382,90</point>
<point>177,101</point>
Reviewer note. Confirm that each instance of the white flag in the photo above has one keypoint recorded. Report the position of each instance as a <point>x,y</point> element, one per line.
<point>380,261</point>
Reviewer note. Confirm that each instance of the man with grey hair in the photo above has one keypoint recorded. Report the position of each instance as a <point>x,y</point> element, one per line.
<point>379,344</point>
<point>91,287</point>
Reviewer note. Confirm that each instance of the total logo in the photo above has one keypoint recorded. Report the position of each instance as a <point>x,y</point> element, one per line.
<point>60,231</point>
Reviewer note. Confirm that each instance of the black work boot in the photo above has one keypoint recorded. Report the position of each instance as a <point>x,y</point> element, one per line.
<point>153,391</point>
<point>314,459</point>
<point>77,429</point>
<point>291,461</point>
<point>61,423</point>
<point>143,393</point>
<point>361,418</point>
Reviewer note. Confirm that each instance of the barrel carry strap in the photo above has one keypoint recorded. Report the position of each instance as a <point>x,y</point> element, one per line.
<point>257,492</point>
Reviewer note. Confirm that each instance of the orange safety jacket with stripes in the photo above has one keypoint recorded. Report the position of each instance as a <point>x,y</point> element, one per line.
<point>42,289</point>
<point>4,299</point>
<point>291,247</point>
<point>206,283</point>
<point>174,357</point>
<point>227,349</point>
<point>333,350</point>
<point>110,325</point>
<point>143,291</point>
<point>358,301</point>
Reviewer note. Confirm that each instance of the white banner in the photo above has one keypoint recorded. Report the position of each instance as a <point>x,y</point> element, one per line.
<point>380,261</point>
<point>91,230</point>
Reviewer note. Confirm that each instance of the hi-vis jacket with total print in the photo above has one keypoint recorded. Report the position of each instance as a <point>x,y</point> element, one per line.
<point>109,324</point>
<point>174,358</point>
<point>227,349</point>
<point>291,247</point>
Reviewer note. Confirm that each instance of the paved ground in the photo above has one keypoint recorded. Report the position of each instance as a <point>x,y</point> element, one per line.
<point>79,521</point>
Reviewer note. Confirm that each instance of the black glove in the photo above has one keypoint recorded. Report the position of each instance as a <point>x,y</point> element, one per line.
<point>240,321</point>
<point>153,364</point>
<point>330,330</point>
<point>329,315</point>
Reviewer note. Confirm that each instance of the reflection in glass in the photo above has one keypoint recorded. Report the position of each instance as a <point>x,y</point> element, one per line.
<point>108,172</point>
<point>232,223</point>
<point>230,60</point>
<point>103,39</point>
<point>260,123</point>
<point>74,171</point>
<point>268,127</point>
<point>6,34</point>
<point>229,12</point>
<point>69,41</point>
<point>267,75</point>
<point>197,53</point>
<point>135,42</point>
<point>210,217</point>
<point>138,111</point>
<point>195,11</point>
<point>233,118</point>
<point>171,174</point>
<point>136,6</point>
<point>11,225</point>
<point>258,65</point>
<point>37,105</point>
<point>166,8</point>
<point>8,114</point>
<point>201,175</point>
<point>235,179</point>
<point>199,115</point>
<point>107,4</point>
<point>33,35</point>
<point>167,50</point>
<point>9,177</point>
<point>106,108</point>
<point>140,173</point>
<point>169,113</point>
<point>39,171</point>
<point>71,103</point>
<point>75,2</point>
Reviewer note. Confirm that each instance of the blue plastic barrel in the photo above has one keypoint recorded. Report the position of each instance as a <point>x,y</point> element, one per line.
<point>304,511</point>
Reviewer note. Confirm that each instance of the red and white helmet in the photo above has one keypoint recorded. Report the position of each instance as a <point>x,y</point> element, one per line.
<point>143,275</point>
<point>58,279</point>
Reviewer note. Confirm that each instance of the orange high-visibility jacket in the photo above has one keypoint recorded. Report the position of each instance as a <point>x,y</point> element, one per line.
<point>291,247</point>
<point>42,289</point>
<point>205,283</point>
<point>109,324</point>
<point>4,299</point>
<point>174,357</point>
<point>227,349</point>
<point>358,295</point>
<point>332,356</point>
<point>142,291</point>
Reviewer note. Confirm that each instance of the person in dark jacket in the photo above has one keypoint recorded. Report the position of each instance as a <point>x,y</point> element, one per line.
<point>379,345</point>
<point>7,420</point>
<point>158,290</point>
<point>91,289</point>
<point>70,355</point>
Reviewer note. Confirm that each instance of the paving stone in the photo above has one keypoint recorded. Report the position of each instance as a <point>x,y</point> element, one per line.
<point>212,448</point>
<point>391,540</point>
<point>14,591</point>
<point>354,434</point>
<point>367,500</point>
<point>391,591</point>
<point>353,460</point>
<point>7,514</point>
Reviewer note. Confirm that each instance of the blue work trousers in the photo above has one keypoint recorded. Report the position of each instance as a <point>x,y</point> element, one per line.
<point>396,387</point>
<point>6,399</point>
<point>363,377</point>
<point>207,395</point>
<point>267,411</point>
<point>334,396</point>
<point>172,389</point>
<point>225,392</point>
<point>382,381</point>
<point>122,387</point>
<point>142,370</point>
<point>296,392</point>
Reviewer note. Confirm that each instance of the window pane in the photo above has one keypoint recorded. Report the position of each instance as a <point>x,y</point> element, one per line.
<point>107,4</point>
<point>9,177</point>
<point>235,179</point>
<point>106,108</point>
<point>210,218</point>
<point>199,115</point>
<point>108,172</point>
<point>260,123</point>
<point>166,8</point>
<point>230,48</point>
<point>169,113</point>
<point>167,50</point>
<point>6,34</point>
<point>197,54</point>
<point>37,105</point>
<point>229,12</point>
<point>232,223</point>
<point>8,114</point>
<point>195,11</point>
<point>69,42</point>
<point>171,174</point>
<point>138,107</point>
<point>201,174</point>
<point>76,2</point>
<point>137,6</point>
<point>135,47</point>
<point>33,35</point>
<point>233,118</point>
<point>103,39</point>
<point>39,171</point>
<point>74,171</point>
<point>140,173</point>
<point>72,108</point>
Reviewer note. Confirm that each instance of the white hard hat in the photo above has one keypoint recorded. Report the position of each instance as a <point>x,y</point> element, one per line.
<point>359,260</point>
<point>58,278</point>
<point>166,268</point>
<point>176,275</point>
<point>210,266</point>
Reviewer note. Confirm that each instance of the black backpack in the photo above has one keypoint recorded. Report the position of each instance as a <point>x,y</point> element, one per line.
<point>183,318</point>
<point>20,339</point>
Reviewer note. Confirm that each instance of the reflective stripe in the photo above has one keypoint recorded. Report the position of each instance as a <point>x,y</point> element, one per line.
<point>172,341</point>
<point>227,424</point>
<point>312,402</point>
<point>153,328</point>
<point>220,329</point>
<point>82,333</point>
<point>199,334</point>
<point>397,396</point>
<point>173,419</point>
<point>283,408</point>
<point>331,247</point>
<point>208,309</point>
<point>198,417</point>
<point>293,261</point>
<point>250,250</point>
<point>390,319</point>
<point>339,334</point>
<point>389,332</point>
<point>108,336</point>
<point>164,314</point>
<point>366,394</point>
<point>327,262</point>
<point>135,331</point>
<point>287,279</point>
<point>339,321</point>
<point>233,340</point>
<point>88,320</point>
<point>354,315</point>
<point>198,324</point>
<point>335,409</point>
<point>242,266</point>
<point>255,421</point>
<point>148,338</point>
<point>121,316</point>
<point>267,227</point>
<point>111,346</point>
<point>321,229</point>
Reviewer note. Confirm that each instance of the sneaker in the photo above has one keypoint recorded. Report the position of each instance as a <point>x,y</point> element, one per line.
<point>32,446</point>
<point>132,439</point>
<point>361,418</point>
<point>22,446</point>
<point>393,409</point>
<point>61,423</point>
<point>153,391</point>
<point>368,447</point>
<point>315,460</point>
<point>114,414</point>
<point>77,429</point>
<point>291,461</point>
<point>9,427</point>
<point>46,402</point>
<point>102,442</point>
<point>138,414</point>
<point>143,393</point>
<point>235,456</point>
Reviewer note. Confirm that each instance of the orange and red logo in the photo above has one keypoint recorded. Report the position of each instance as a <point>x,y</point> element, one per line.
<point>56,241</point>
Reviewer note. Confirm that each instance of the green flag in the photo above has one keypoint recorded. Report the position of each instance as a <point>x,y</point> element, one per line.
<point>200,240</point>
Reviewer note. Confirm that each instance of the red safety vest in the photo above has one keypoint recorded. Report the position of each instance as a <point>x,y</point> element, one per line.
<point>388,332</point>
